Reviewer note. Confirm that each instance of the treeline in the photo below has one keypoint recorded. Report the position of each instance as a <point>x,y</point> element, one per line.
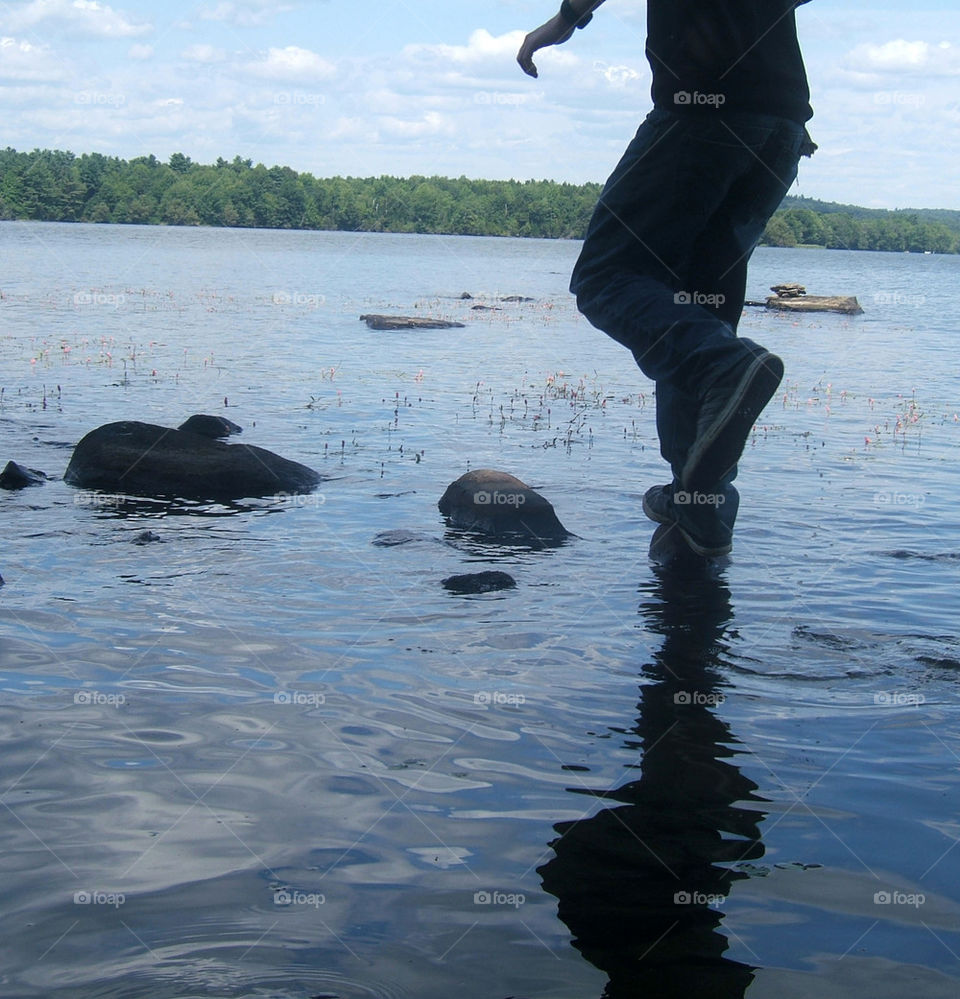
<point>58,186</point>
<point>61,187</point>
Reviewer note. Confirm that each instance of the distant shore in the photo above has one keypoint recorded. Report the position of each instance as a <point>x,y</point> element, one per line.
<point>58,186</point>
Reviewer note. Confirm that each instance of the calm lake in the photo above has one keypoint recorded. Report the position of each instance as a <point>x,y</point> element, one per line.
<point>267,754</point>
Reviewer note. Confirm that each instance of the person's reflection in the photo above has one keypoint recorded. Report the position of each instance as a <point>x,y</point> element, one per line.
<point>641,884</point>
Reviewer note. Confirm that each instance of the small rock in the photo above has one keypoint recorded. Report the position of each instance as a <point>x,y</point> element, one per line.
<point>146,538</point>
<point>515,298</point>
<point>16,476</point>
<point>215,427</point>
<point>479,582</point>
<point>788,290</point>
<point>501,506</point>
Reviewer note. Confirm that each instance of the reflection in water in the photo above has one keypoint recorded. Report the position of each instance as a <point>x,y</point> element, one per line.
<point>641,884</point>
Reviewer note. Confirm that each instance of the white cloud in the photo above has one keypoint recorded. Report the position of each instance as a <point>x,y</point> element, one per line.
<point>23,61</point>
<point>901,56</point>
<point>140,52</point>
<point>204,53</point>
<point>481,47</point>
<point>246,13</point>
<point>292,65</point>
<point>87,17</point>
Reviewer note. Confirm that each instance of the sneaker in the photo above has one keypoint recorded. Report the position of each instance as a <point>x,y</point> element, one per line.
<point>705,521</point>
<point>727,414</point>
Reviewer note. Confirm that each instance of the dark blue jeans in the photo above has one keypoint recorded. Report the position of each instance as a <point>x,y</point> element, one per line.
<point>663,268</point>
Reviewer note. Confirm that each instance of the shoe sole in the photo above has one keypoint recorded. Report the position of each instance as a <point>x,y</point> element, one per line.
<point>722,444</point>
<point>690,542</point>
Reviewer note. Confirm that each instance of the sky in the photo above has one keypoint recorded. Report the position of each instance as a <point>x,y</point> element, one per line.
<point>403,87</point>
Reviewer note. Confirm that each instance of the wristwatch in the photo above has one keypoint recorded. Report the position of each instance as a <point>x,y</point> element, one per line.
<point>570,16</point>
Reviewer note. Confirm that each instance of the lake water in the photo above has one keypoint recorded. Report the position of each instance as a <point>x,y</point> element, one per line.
<point>269,755</point>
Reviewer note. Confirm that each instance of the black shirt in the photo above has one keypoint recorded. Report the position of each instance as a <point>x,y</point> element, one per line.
<point>726,56</point>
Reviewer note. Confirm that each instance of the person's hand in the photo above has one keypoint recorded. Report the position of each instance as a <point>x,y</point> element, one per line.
<point>553,32</point>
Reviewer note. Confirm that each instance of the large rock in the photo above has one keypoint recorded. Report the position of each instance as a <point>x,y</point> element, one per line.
<point>376,322</point>
<point>500,505</point>
<point>147,460</point>
<point>846,304</point>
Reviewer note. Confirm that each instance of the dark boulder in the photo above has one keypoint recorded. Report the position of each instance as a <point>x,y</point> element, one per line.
<point>213,427</point>
<point>479,582</point>
<point>501,506</point>
<point>146,460</point>
<point>16,476</point>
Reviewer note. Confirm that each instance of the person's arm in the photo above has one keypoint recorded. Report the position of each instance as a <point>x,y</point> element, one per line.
<point>573,14</point>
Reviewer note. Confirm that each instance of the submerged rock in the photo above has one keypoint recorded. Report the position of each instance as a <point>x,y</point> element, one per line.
<point>213,427</point>
<point>479,582</point>
<point>148,460</point>
<point>500,505</point>
<point>409,323</point>
<point>16,476</point>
